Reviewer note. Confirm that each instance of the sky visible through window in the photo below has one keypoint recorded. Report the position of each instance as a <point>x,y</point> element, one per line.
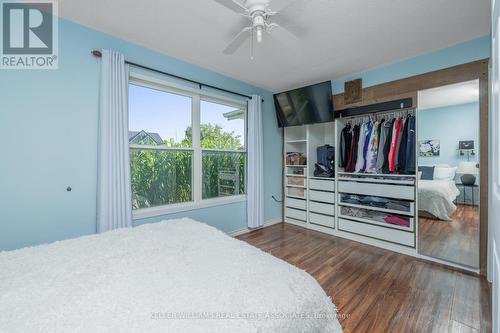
<point>169,114</point>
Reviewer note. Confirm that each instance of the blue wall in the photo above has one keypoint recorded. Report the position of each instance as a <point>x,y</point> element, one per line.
<point>472,50</point>
<point>48,121</point>
<point>449,125</point>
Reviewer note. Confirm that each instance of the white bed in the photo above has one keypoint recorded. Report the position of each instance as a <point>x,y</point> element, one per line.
<point>136,280</point>
<point>436,197</point>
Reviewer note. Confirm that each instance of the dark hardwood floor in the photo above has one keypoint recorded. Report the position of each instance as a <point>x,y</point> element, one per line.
<point>456,241</point>
<point>381,291</point>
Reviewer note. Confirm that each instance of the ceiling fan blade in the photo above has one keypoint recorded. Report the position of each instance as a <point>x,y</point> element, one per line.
<point>233,5</point>
<point>237,41</point>
<point>287,24</point>
<point>280,5</point>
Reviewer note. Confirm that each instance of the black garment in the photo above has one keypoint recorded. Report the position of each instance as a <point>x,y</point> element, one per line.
<point>345,145</point>
<point>389,124</point>
<point>410,148</point>
<point>380,127</point>
<point>351,163</point>
<point>401,163</point>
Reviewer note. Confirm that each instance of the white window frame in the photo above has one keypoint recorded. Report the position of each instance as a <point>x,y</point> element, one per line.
<point>196,95</point>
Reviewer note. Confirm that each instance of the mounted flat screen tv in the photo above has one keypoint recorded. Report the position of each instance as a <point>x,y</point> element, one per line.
<point>307,105</point>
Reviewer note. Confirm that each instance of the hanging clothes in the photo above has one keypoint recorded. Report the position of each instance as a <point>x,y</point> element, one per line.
<point>392,152</point>
<point>380,146</point>
<point>402,148</point>
<point>345,142</point>
<point>398,146</point>
<point>382,137</point>
<point>351,163</point>
<point>410,147</point>
<point>361,144</point>
<point>384,147</point>
<point>372,154</point>
<point>369,127</point>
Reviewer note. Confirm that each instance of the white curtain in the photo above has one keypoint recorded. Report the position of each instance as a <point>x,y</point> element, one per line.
<point>114,205</point>
<point>255,163</point>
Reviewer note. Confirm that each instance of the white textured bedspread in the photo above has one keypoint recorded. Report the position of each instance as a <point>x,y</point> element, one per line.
<point>436,197</point>
<point>174,276</point>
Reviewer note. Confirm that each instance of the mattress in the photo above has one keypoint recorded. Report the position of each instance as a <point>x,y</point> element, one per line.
<point>172,276</point>
<point>436,197</point>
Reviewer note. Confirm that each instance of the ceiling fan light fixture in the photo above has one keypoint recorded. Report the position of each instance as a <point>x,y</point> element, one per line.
<point>259,23</point>
<point>259,34</point>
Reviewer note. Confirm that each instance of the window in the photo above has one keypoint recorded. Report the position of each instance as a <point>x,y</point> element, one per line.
<point>161,154</point>
<point>223,148</point>
<point>185,147</point>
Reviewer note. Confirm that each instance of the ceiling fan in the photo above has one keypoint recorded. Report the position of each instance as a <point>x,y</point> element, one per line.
<point>262,19</point>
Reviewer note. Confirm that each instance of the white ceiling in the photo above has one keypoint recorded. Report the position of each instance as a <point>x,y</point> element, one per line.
<point>341,36</point>
<point>452,94</point>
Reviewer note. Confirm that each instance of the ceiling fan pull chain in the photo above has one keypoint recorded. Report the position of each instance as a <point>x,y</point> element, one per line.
<point>251,46</point>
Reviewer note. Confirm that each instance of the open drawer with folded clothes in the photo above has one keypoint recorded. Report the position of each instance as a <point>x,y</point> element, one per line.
<point>404,207</point>
<point>377,217</point>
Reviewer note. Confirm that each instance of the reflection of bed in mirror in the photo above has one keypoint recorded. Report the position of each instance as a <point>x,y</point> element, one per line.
<point>448,142</point>
<point>436,196</point>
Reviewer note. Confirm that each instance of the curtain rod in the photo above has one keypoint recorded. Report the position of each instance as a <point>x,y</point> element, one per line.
<point>98,54</point>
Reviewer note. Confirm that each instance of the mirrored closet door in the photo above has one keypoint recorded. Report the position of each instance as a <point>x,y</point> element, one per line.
<point>448,173</point>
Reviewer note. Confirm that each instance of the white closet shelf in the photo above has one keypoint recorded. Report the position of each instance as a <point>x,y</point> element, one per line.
<point>379,181</point>
<point>296,141</point>
<point>384,210</point>
<point>296,166</point>
<point>292,175</point>
<point>375,174</point>
<point>382,224</point>
<point>322,178</point>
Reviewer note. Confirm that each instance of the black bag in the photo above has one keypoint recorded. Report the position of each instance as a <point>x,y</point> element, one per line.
<point>321,170</point>
<point>326,156</point>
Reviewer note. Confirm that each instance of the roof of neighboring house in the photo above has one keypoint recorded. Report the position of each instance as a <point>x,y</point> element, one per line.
<point>236,114</point>
<point>133,135</point>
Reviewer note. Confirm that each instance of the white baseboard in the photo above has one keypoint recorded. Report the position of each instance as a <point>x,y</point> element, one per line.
<point>247,230</point>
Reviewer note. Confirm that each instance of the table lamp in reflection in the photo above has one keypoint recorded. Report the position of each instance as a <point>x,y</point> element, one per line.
<point>468,169</point>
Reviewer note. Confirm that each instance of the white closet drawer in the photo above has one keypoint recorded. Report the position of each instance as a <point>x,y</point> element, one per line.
<point>295,203</point>
<point>296,192</point>
<point>327,197</point>
<point>324,220</point>
<point>322,185</point>
<point>322,208</point>
<point>295,181</point>
<point>382,233</point>
<point>295,214</point>
<point>294,221</point>
<point>381,190</point>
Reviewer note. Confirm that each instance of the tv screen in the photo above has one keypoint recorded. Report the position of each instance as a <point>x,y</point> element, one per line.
<point>307,105</point>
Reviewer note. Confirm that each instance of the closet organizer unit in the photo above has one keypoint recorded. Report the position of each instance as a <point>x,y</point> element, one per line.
<point>309,200</point>
<point>376,195</point>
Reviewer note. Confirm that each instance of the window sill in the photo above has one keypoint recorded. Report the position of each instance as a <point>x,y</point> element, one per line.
<point>185,206</point>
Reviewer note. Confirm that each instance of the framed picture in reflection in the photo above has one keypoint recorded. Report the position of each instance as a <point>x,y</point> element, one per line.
<point>429,148</point>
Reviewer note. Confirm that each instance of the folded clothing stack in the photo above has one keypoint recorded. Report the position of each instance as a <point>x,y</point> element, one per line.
<point>376,216</point>
<point>379,202</point>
